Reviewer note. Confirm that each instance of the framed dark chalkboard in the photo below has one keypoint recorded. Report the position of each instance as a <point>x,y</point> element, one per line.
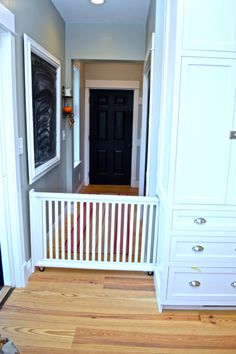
<point>43,102</point>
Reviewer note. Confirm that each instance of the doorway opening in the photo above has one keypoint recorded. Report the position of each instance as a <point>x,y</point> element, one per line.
<point>118,86</point>
<point>110,136</point>
<point>121,157</point>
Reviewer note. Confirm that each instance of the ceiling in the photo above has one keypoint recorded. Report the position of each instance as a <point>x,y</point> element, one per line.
<point>112,12</point>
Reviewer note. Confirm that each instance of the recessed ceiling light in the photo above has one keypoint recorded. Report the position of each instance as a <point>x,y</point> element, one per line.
<point>97,2</point>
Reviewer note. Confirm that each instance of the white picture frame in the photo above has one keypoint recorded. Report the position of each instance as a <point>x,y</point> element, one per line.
<point>43,108</point>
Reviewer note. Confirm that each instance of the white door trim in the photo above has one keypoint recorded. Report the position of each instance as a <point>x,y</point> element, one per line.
<point>12,241</point>
<point>121,85</point>
<point>145,145</point>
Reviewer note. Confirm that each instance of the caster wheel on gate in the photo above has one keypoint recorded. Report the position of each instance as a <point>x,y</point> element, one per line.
<point>41,269</point>
<point>150,274</point>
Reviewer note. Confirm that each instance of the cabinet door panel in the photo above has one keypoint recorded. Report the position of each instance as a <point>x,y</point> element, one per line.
<point>231,191</point>
<point>206,115</point>
<point>210,25</point>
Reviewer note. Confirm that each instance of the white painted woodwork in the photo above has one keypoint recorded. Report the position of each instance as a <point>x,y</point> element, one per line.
<point>81,235</point>
<point>206,113</point>
<point>203,249</point>
<point>196,257</point>
<point>15,267</point>
<point>212,220</point>
<point>215,285</point>
<point>209,25</point>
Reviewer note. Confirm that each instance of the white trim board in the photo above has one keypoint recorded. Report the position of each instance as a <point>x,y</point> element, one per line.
<point>7,19</point>
<point>113,85</point>
<point>12,235</point>
<point>147,116</point>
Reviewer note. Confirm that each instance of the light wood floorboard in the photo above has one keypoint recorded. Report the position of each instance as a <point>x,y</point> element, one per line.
<point>108,189</point>
<point>82,312</point>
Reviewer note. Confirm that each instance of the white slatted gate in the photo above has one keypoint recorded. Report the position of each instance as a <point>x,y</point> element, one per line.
<point>93,231</point>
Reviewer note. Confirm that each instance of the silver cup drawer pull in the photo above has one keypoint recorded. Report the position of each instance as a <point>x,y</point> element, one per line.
<point>233,284</point>
<point>200,221</point>
<point>195,283</point>
<point>198,248</point>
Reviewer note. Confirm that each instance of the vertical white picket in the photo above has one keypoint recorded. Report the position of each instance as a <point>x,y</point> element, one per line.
<point>131,231</point>
<point>125,227</point>
<point>45,248</point>
<point>56,229</point>
<point>155,236</point>
<point>113,207</point>
<point>50,229</point>
<point>87,229</point>
<point>68,230</point>
<point>137,234</point>
<point>118,233</point>
<point>75,230</point>
<point>106,232</point>
<point>81,233</point>
<point>144,232</point>
<point>100,232</point>
<point>62,230</point>
<point>94,231</point>
<point>150,231</point>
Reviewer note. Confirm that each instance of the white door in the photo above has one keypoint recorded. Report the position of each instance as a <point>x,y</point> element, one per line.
<point>206,115</point>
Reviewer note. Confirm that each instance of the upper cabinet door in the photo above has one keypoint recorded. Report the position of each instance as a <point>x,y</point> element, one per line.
<point>206,114</point>
<point>209,25</point>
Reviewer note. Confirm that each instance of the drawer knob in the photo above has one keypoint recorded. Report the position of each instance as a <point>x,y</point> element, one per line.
<point>200,221</point>
<point>198,248</point>
<point>194,283</point>
<point>233,284</point>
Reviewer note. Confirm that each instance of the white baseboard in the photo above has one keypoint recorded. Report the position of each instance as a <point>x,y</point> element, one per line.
<point>82,184</point>
<point>27,267</point>
<point>157,288</point>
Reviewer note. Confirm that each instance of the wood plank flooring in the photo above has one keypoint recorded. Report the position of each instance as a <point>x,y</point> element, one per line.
<point>91,312</point>
<point>108,189</point>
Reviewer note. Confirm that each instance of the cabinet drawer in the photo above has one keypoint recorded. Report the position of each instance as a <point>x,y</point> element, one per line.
<point>210,284</point>
<point>204,220</point>
<point>203,249</point>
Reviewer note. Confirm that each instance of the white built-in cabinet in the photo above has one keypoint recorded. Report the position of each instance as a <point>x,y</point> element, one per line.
<point>196,179</point>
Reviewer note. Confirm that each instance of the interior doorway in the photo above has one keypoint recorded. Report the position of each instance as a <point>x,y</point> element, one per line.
<point>14,266</point>
<point>122,86</point>
<point>111,118</point>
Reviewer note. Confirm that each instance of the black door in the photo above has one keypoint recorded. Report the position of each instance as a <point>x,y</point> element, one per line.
<point>111,115</point>
<point>1,271</point>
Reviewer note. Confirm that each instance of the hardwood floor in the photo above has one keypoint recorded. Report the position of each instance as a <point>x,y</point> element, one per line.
<point>109,189</point>
<point>91,312</point>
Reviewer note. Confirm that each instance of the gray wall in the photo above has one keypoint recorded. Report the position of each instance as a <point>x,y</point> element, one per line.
<point>151,21</point>
<point>99,42</point>
<point>40,21</point>
<point>104,42</point>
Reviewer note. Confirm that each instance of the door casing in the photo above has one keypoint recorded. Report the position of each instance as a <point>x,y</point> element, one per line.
<point>121,85</point>
<point>15,269</point>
